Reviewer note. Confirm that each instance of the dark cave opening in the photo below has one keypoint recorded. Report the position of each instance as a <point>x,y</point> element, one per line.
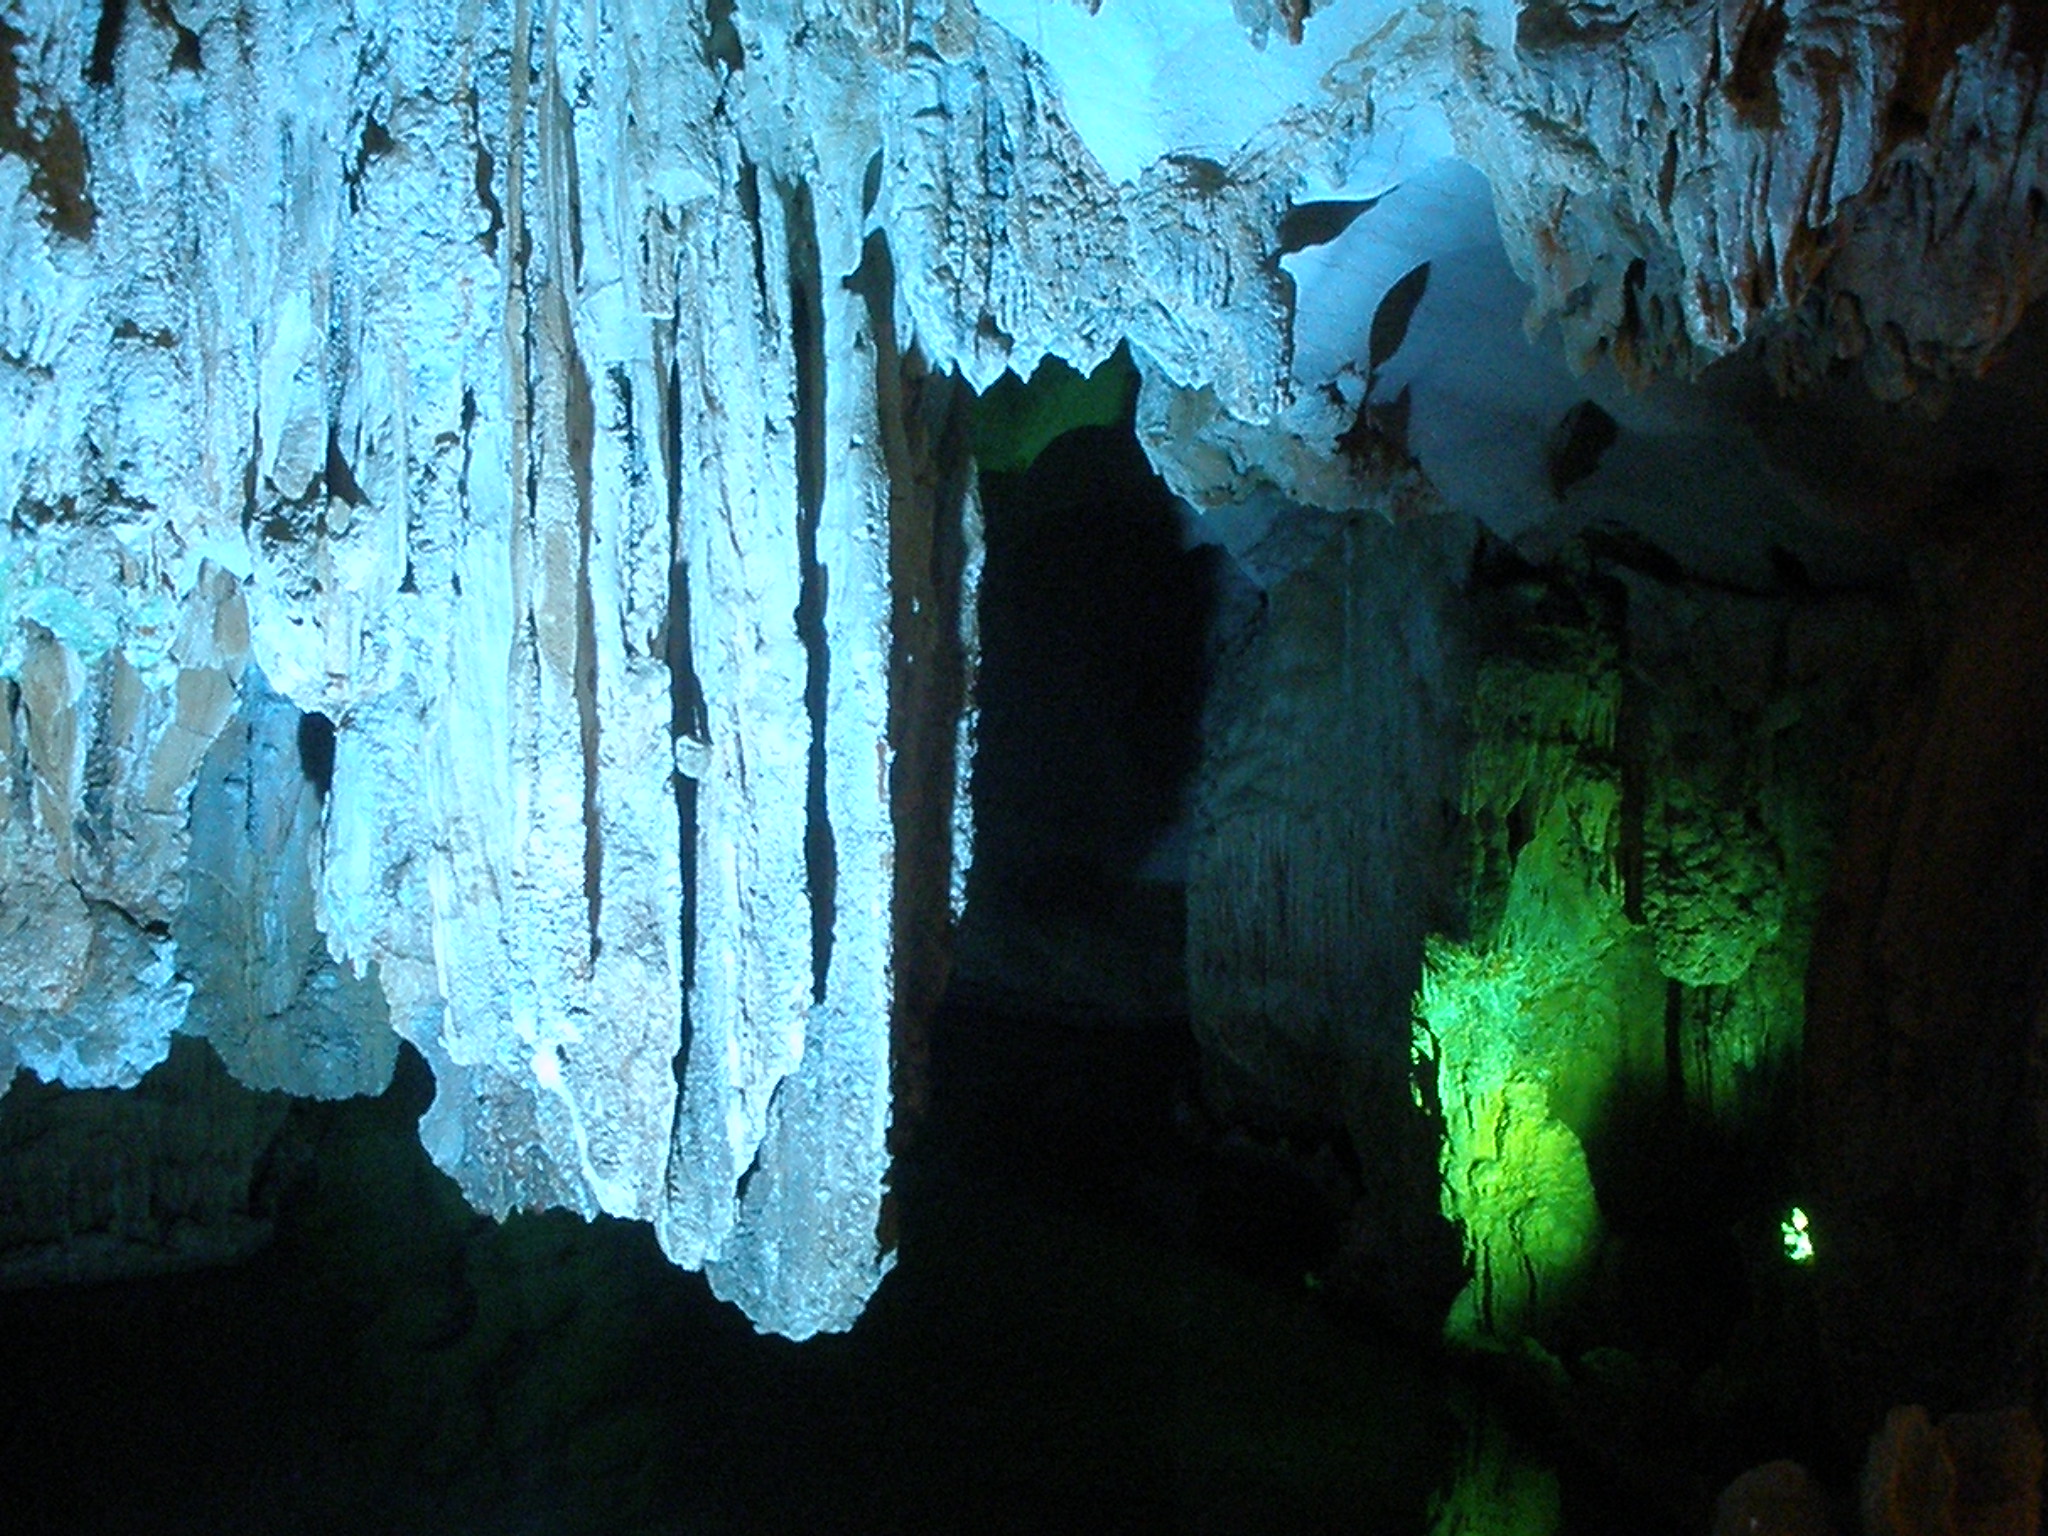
<point>1099,620</point>
<point>316,751</point>
<point>1095,622</point>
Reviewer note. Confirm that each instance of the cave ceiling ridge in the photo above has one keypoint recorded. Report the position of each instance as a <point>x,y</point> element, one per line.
<point>1830,187</point>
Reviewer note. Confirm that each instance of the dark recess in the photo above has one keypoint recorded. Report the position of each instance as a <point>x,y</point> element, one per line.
<point>49,142</point>
<point>807,343</point>
<point>1094,625</point>
<point>721,37</point>
<point>1318,223</point>
<point>686,693</point>
<point>1752,83</point>
<point>486,168</point>
<point>106,42</point>
<point>1582,436</point>
<point>341,480</point>
<point>374,143</point>
<point>316,751</point>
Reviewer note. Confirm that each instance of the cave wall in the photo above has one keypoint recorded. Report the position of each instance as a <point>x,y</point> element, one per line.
<point>1923,1137</point>
<point>1529,926</point>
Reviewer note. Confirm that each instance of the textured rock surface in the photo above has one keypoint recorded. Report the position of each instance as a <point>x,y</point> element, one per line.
<point>1847,185</point>
<point>1314,876</point>
<point>1924,1011</point>
<point>99,1185</point>
<point>276,1007</point>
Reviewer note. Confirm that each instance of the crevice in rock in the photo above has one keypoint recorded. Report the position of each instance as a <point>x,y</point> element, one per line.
<point>807,344</point>
<point>468,451</point>
<point>486,168</point>
<point>687,716</point>
<point>316,751</point>
<point>250,472</point>
<point>185,51</point>
<point>338,477</point>
<point>572,186</point>
<point>579,426</point>
<point>1752,85</point>
<point>871,184</point>
<point>748,191</point>
<point>106,43</point>
<point>721,37</point>
<point>373,142</point>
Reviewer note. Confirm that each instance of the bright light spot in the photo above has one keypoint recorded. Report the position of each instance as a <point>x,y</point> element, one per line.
<point>1798,1241</point>
<point>547,1070</point>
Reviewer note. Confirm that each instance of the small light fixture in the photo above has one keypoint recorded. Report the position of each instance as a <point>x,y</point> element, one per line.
<point>1798,1240</point>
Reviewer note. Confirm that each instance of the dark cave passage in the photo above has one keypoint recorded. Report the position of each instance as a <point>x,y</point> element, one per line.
<point>1095,625</point>
<point>1056,1350</point>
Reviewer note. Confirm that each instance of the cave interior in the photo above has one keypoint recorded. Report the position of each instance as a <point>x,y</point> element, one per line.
<point>1023,767</point>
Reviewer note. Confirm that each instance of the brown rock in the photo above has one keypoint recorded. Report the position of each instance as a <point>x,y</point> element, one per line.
<point>1998,1462</point>
<point>1974,1474</point>
<point>1909,1479</point>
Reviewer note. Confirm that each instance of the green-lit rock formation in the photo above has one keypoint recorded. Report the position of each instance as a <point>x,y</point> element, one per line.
<point>1527,1018</point>
<point>1652,789</point>
<point>1539,897</point>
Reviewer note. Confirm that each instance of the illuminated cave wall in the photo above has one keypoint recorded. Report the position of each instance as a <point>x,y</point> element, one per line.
<point>1536,910</point>
<point>568,406</point>
<point>1658,775</point>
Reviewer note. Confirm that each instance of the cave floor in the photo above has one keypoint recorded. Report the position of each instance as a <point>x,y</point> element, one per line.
<point>1067,1343</point>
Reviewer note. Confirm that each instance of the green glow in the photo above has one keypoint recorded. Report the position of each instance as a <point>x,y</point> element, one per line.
<point>1798,1240</point>
<point>1627,972</point>
<point>1016,419</point>
<point>1514,1019</point>
<point>1713,884</point>
<point>1497,1490</point>
<point>1515,1176</point>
